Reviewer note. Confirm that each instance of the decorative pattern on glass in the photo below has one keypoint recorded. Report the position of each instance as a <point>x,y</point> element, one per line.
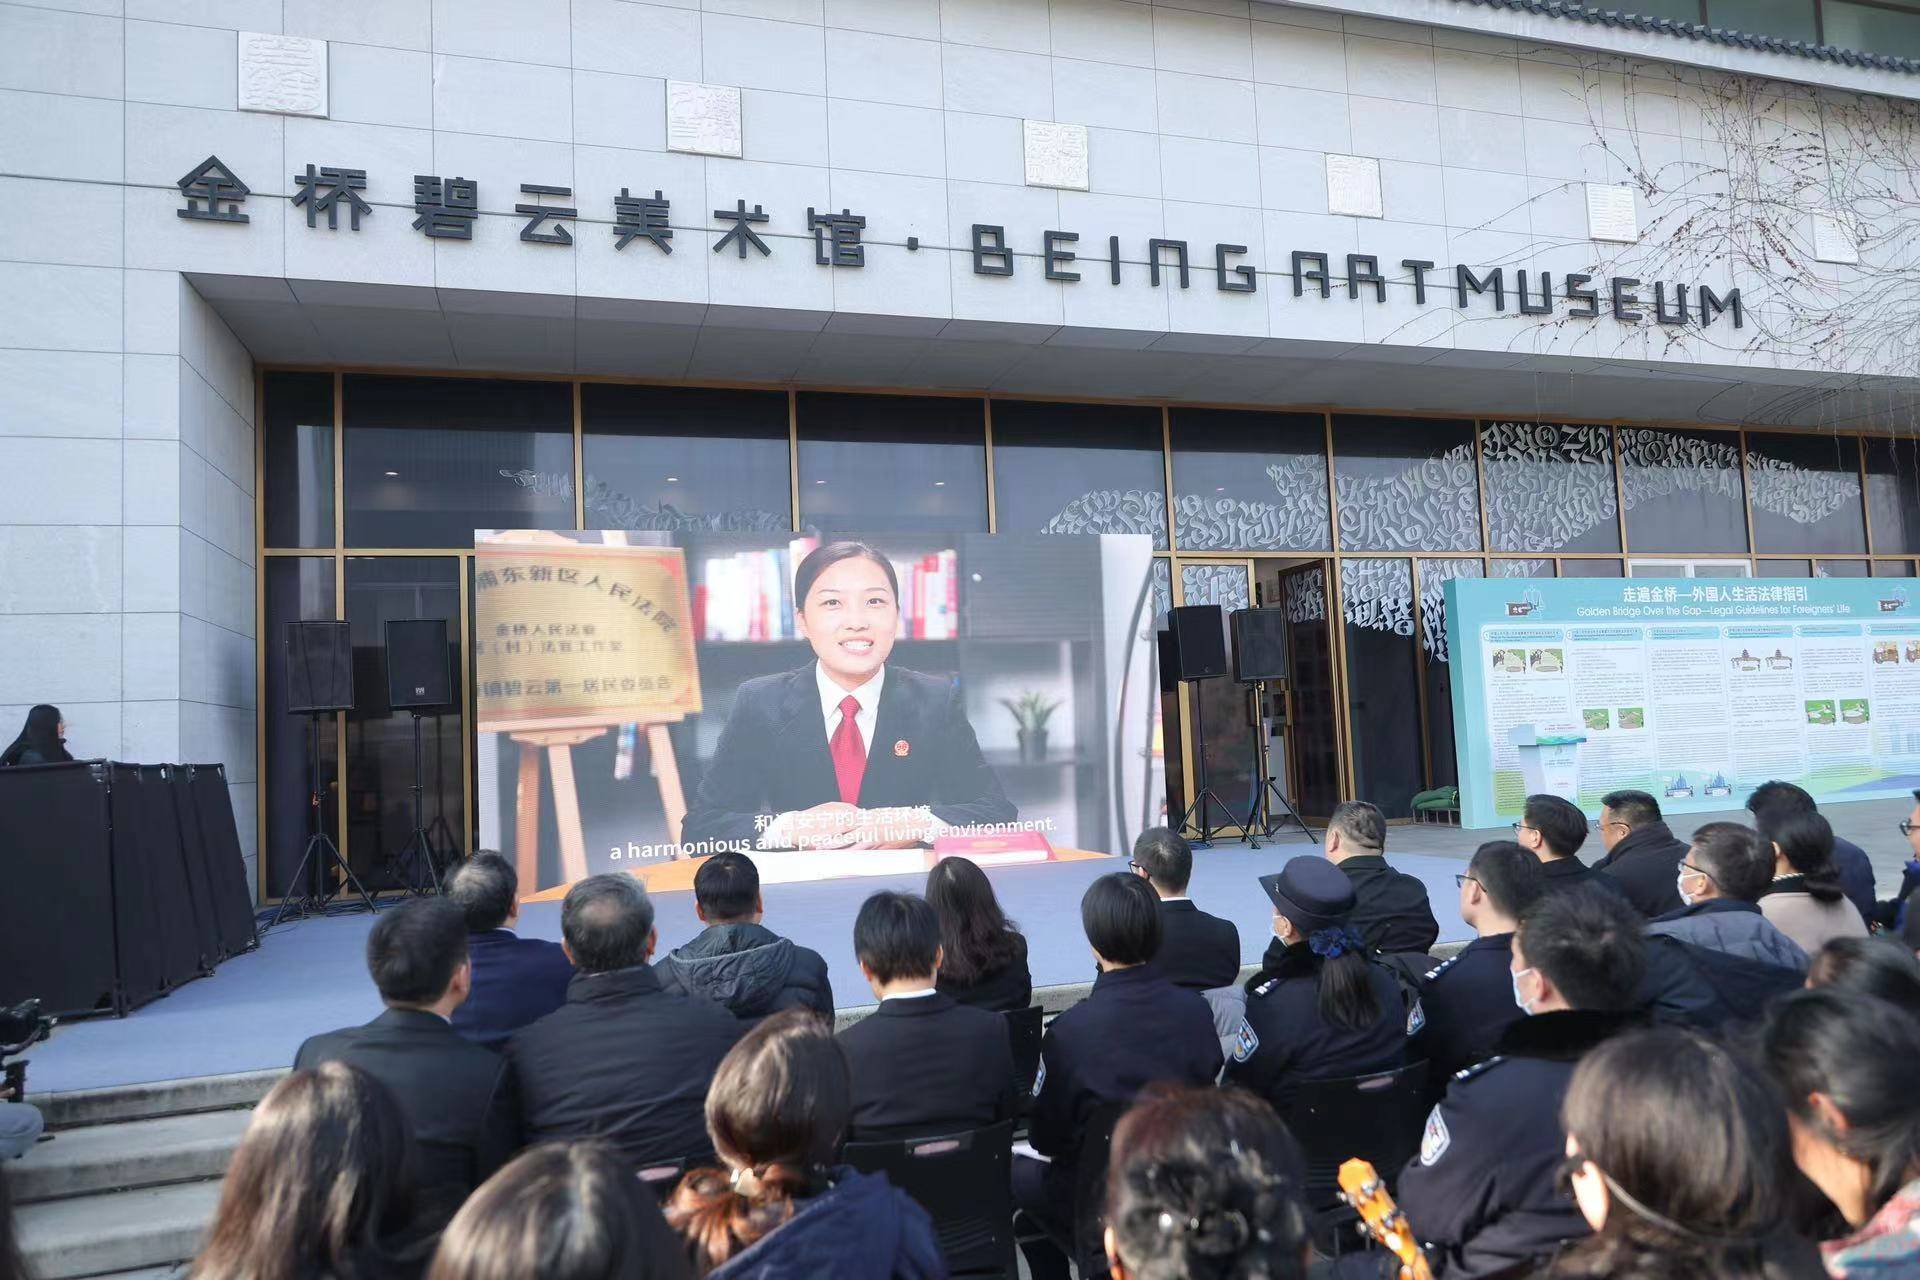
<point>1546,483</point>
<point>1434,576</point>
<point>1433,504</point>
<point>1223,584</point>
<point>1377,594</point>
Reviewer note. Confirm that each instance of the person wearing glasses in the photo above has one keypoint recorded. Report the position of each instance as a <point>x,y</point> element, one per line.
<point>1642,854</point>
<point>1552,828</point>
<point>1480,1195</point>
<point>1776,799</point>
<point>1467,1002</point>
<point>1741,954</point>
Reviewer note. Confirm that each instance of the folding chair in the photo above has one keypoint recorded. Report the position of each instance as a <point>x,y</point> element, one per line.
<point>963,1182</point>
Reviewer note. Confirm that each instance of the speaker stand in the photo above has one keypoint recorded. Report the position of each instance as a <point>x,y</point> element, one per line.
<point>1206,794</point>
<point>417,854</point>
<point>440,837</point>
<point>321,852</point>
<point>1267,793</point>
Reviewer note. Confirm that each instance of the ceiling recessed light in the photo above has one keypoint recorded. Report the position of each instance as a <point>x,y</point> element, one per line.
<point>819,481</point>
<point>939,484</point>
<point>393,473</point>
<point>673,479</point>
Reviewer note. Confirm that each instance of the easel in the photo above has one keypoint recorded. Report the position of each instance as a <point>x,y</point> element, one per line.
<point>557,740</point>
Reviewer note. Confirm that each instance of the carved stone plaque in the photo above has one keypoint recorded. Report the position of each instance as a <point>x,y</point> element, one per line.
<point>1353,186</point>
<point>283,74</point>
<point>1611,214</point>
<point>1056,155</point>
<point>703,118</point>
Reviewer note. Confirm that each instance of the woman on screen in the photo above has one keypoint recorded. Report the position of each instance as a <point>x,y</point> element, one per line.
<point>846,752</point>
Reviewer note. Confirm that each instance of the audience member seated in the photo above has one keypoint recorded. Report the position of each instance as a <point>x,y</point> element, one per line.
<point>921,1064</point>
<point>983,957</point>
<point>1734,947</point>
<point>1197,951</point>
<point>1678,1157</point>
<point>1877,967</point>
<point>623,1059</point>
<point>1845,1066</point>
<point>1553,829</point>
<point>20,1125</point>
<point>1205,1183</point>
<point>1467,1002</point>
<point>737,961</point>
<point>1898,912</point>
<point>1481,1195</point>
<point>1133,1029</point>
<point>1642,854</point>
<point>1850,861</point>
<point>1321,1009</point>
<point>459,1098</point>
<point>321,1185</point>
<point>515,979</point>
<point>1804,899</point>
<point>780,1207</point>
<point>1909,922</point>
<point>1391,912</point>
<point>561,1211</point>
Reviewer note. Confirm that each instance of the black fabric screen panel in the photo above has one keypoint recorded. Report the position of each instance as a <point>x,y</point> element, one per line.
<point>56,916</point>
<point>153,918</point>
<point>226,867</point>
<point>183,851</point>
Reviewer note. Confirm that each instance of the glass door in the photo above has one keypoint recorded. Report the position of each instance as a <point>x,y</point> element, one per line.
<point>1305,752</point>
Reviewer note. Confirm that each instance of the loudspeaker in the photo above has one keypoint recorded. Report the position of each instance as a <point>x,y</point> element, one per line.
<point>1259,644</point>
<point>1199,641</point>
<point>319,667</point>
<point>417,674</point>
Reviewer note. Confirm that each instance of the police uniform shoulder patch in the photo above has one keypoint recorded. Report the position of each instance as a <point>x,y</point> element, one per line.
<point>1440,968</point>
<point>1416,1018</point>
<point>1468,1073</point>
<point>1266,986</point>
<point>1434,1139</point>
<point>1245,1042</point>
<point>1040,1078</point>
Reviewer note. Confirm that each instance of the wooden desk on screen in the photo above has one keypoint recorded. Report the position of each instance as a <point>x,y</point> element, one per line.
<point>677,875</point>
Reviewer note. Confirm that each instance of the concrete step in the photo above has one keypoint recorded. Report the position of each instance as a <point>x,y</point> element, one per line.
<point>160,1098</point>
<point>131,1153</point>
<point>116,1231</point>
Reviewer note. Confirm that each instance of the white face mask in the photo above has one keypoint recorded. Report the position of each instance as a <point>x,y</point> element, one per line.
<point>1680,887</point>
<point>1517,997</point>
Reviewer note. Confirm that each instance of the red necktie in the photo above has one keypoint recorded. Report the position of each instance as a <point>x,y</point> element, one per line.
<point>848,751</point>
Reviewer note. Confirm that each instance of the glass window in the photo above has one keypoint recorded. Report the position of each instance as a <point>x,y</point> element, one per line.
<point>1841,569</point>
<point>1679,10</point>
<point>1870,29</point>
<point>1549,487</point>
<point>429,460</point>
<point>380,760</point>
<point>297,459</point>
<point>1683,490</point>
<point>297,589</point>
<point>679,458</point>
<point>892,463</point>
<point>1590,569</point>
<point>1247,481</point>
<point>1221,705</point>
<point>1376,599</point>
<point>1893,568</point>
<point>1403,484</point>
<point>1783,568</point>
<point>1528,568</point>
<point>1434,576</point>
<point>1075,468</point>
<point>1787,19</point>
<point>1893,493</point>
<point>1805,491</point>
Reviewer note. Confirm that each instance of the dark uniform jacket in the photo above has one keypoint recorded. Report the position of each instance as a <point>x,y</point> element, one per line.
<point>515,981</point>
<point>1481,1195</point>
<point>459,1098</point>
<point>1645,864</point>
<point>860,1228</point>
<point>1197,951</point>
<point>1284,1040</point>
<point>750,969</point>
<point>927,1066</point>
<point>1565,873</point>
<point>625,1061</point>
<point>1008,987</point>
<point>1856,875</point>
<point>1465,1004</point>
<point>1133,1029</point>
<point>1390,908</point>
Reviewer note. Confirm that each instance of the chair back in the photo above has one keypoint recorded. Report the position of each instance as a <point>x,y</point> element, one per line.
<point>1024,1032</point>
<point>964,1182</point>
<point>1377,1118</point>
<point>1090,1189</point>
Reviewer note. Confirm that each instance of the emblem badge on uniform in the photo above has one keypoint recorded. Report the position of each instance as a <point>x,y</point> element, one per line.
<point>901,748</point>
<point>1245,1042</point>
<point>1040,1079</point>
<point>1435,1140</point>
<point>1416,1018</point>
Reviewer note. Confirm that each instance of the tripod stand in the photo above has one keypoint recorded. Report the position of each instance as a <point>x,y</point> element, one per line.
<point>1206,793</point>
<point>418,851</point>
<point>1261,818</point>
<point>440,838</point>
<point>329,860</point>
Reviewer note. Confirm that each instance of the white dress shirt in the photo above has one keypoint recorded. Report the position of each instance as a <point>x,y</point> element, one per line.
<point>868,694</point>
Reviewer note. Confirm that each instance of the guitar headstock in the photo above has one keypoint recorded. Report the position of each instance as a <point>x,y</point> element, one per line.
<point>1366,1194</point>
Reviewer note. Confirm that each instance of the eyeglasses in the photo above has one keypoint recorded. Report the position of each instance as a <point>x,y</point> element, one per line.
<point>1521,826</point>
<point>1699,871</point>
<point>1568,1169</point>
<point>1906,826</point>
<point>1460,881</point>
<point>1134,866</point>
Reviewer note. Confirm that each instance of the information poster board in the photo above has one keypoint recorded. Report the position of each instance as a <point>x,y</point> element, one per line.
<point>1693,689</point>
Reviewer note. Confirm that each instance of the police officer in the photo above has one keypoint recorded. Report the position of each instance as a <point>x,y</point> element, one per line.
<point>1468,1001</point>
<point>1482,1196</point>
<point>1133,1029</point>
<point>1319,1008</point>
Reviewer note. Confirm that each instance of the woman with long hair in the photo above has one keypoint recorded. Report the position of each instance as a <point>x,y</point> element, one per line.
<point>1205,1184</point>
<point>1805,900</point>
<point>42,740</point>
<point>1878,967</point>
<point>321,1187</point>
<point>1845,1064</point>
<point>1678,1156</point>
<point>780,1207</point>
<point>984,955</point>
<point>560,1211</point>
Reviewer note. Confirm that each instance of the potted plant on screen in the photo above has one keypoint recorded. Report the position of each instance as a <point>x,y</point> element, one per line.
<point>1031,711</point>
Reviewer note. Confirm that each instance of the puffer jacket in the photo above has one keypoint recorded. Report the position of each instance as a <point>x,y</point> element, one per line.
<point>750,969</point>
<point>861,1228</point>
<point>1734,928</point>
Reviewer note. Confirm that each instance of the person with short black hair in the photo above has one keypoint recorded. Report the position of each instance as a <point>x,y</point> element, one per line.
<point>624,1059</point>
<point>1466,1003</point>
<point>1481,1192</point>
<point>1391,912</point>
<point>1198,951</point>
<point>1880,967</point>
<point>1849,859</point>
<point>42,740</point>
<point>515,980</point>
<point>1804,899</point>
<point>460,1099</point>
<point>983,955</point>
<point>1642,853</point>
<point>1721,933</point>
<point>737,961</point>
<point>1553,829</point>
<point>1134,1028</point>
<point>922,1065</point>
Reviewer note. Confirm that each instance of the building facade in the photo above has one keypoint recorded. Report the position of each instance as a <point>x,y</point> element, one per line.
<point>1335,302</point>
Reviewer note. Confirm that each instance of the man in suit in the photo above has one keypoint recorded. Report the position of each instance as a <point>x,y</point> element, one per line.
<point>1198,951</point>
<point>1467,1002</point>
<point>515,979</point>
<point>459,1098</point>
<point>1773,801</point>
<point>846,752</point>
<point>737,961</point>
<point>922,1064</point>
<point>622,1060</point>
<point>1391,912</point>
<point>1643,856</point>
<point>1553,828</point>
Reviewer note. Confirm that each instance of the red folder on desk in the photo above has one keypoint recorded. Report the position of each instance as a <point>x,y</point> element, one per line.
<point>1000,849</point>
